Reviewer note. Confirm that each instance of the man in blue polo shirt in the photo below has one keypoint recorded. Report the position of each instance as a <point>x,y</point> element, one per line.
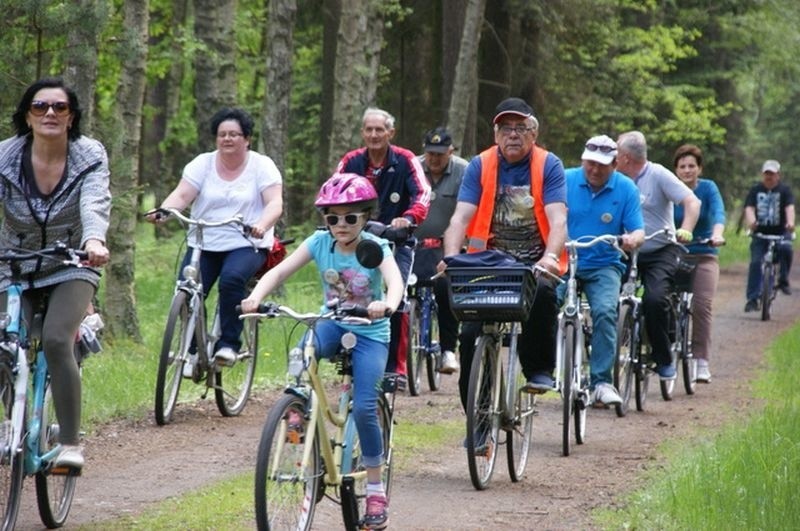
<point>601,200</point>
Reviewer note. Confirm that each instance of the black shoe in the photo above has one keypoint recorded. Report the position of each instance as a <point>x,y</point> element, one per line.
<point>751,306</point>
<point>785,289</point>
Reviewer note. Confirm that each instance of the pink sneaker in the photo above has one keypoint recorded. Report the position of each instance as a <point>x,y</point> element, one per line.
<point>377,516</point>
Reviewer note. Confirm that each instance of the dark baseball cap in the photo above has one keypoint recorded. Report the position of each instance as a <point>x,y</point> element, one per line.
<point>516,106</point>
<point>438,140</point>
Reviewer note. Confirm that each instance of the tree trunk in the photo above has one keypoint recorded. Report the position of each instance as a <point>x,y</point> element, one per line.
<point>124,135</point>
<point>80,70</point>
<point>465,76</point>
<point>215,67</point>
<point>356,73</point>
<point>275,125</point>
<point>331,13</point>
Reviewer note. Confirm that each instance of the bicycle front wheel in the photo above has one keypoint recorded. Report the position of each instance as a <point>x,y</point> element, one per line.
<point>623,361</point>
<point>54,488</point>
<point>233,383</point>
<point>520,422</point>
<point>415,346</point>
<point>11,461</point>
<point>568,391</point>
<point>174,353</point>
<point>433,349</point>
<point>688,362</point>
<point>483,428</point>
<point>767,288</point>
<point>286,487</point>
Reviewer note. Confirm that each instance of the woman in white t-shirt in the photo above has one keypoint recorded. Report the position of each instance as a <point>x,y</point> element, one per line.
<point>220,184</point>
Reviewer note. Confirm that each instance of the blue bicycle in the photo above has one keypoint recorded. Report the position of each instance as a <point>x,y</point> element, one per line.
<point>423,336</point>
<point>29,429</point>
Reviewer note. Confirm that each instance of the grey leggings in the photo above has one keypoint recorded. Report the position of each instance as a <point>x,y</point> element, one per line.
<point>68,302</point>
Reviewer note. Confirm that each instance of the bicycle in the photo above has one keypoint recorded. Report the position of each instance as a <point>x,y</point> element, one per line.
<point>423,335</point>
<point>188,340</point>
<point>680,304</point>
<point>29,430</point>
<point>297,456</point>
<point>769,276</point>
<point>573,346</point>
<point>496,398</point>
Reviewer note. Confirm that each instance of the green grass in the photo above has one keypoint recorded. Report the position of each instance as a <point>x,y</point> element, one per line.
<point>746,477</point>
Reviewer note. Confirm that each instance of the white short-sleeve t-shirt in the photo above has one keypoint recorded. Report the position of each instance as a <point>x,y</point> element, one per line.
<point>218,199</point>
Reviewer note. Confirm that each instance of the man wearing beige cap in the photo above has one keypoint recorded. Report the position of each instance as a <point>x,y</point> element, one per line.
<point>769,209</point>
<point>602,201</point>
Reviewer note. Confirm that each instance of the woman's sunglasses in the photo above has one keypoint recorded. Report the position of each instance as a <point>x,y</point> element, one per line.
<point>349,219</point>
<point>40,108</point>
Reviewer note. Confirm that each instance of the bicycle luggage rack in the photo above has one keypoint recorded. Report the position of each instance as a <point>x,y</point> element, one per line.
<point>491,294</point>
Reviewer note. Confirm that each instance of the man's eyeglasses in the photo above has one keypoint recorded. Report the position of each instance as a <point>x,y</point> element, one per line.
<point>40,108</point>
<point>230,134</point>
<point>519,129</point>
<point>349,219</point>
<point>601,149</point>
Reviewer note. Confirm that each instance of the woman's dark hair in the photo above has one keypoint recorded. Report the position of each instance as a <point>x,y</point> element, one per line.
<point>19,116</point>
<point>228,113</point>
<point>686,150</point>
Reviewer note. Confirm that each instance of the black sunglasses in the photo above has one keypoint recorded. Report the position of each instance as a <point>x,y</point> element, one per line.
<point>40,108</point>
<point>601,149</point>
<point>349,219</point>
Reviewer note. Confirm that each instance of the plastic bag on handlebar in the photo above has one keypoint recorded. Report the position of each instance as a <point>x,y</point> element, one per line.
<point>487,258</point>
<point>274,257</point>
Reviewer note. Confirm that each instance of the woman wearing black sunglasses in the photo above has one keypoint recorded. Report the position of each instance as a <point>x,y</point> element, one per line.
<point>54,187</point>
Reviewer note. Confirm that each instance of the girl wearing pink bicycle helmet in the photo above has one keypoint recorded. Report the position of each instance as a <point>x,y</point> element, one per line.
<point>346,202</point>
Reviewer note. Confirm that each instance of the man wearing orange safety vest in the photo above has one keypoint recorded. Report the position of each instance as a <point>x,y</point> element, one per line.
<point>513,198</point>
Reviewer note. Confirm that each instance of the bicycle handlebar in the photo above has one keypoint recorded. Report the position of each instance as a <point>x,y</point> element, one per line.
<point>347,314</point>
<point>161,213</point>
<point>59,251</point>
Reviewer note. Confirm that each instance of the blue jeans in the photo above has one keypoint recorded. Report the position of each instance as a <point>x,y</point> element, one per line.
<point>233,269</point>
<point>601,287</point>
<point>369,361</point>
<point>758,248</point>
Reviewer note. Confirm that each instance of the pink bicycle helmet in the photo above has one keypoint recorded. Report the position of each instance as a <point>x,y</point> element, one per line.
<point>347,189</point>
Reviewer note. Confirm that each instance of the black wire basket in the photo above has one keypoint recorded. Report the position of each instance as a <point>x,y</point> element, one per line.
<point>503,294</point>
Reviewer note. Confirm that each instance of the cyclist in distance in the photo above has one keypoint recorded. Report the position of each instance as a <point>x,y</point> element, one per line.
<point>710,226</point>
<point>444,172</point>
<point>602,201</point>
<point>403,199</point>
<point>346,202</point>
<point>513,198</point>
<point>220,184</point>
<point>54,184</point>
<point>659,191</point>
<point>769,209</point>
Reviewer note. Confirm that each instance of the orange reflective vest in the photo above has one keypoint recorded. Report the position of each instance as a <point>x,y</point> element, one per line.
<point>478,231</point>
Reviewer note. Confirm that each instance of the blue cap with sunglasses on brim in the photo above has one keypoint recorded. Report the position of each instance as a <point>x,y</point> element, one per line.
<point>600,149</point>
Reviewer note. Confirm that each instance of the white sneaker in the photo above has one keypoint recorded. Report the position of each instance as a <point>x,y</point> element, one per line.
<point>703,374</point>
<point>605,395</point>
<point>188,366</point>
<point>70,456</point>
<point>226,356</point>
<point>449,363</point>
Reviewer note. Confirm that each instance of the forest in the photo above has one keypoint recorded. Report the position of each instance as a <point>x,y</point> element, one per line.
<point>722,74</point>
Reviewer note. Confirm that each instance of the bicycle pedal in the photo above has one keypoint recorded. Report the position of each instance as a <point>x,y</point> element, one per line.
<point>64,471</point>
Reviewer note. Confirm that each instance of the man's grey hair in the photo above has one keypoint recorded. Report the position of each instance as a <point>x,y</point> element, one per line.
<point>387,118</point>
<point>634,144</point>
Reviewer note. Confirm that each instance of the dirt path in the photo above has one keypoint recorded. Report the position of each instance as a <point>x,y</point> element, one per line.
<point>132,465</point>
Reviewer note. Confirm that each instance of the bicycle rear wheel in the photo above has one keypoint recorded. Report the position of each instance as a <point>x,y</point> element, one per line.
<point>11,461</point>
<point>623,361</point>
<point>233,384</point>
<point>286,492</point>
<point>767,288</point>
<point>415,347</point>
<point>641,370</point>
<point>433,348</point>
<point>174,353</point>
<point>482,423</point>
<point>520,427</point>
<point>582,398</point>
<point>568,391</point>
<point>352,462</point>
<point>688,362</point>
<point>54,488</point>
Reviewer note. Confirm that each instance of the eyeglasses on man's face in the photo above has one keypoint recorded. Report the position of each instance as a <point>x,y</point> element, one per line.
<point>349,219</point>
<point>520,129</point>
<point>601,149</point>
<point>229,134</point>
<point>40,108</point>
